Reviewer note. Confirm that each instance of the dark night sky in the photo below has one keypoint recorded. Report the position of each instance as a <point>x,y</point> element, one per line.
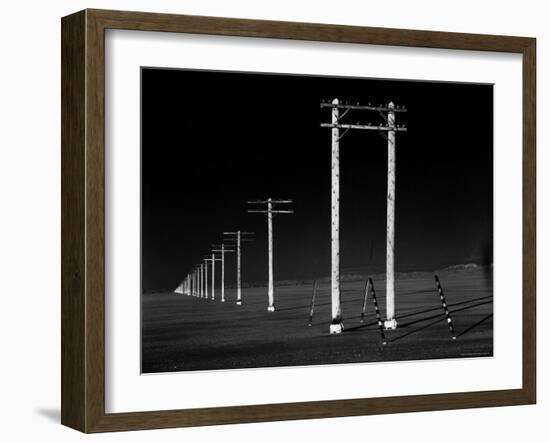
<point>212,140</point>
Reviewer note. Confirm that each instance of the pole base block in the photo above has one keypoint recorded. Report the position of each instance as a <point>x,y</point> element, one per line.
<point>239,303</point>
<point>336,328</point>
<point>390,324</point>
<point>271,308</point>
<point>223,300</point>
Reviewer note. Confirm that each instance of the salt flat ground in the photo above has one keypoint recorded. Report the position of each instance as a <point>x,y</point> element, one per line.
<point>181,333</point>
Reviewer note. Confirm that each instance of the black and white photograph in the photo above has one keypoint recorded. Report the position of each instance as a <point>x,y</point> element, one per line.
<point>259,221</point>
<point>299,220</point>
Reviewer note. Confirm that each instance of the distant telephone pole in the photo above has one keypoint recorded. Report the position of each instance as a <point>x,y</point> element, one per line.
<point>270,211</point>
<point>195,281</point>
<point>213,260</point>
<point>201,282</point>
<point>196,284</point>
<point>238,237</point>
<point>387,130</point>
<point>205,284</point>
<point>222,249</point>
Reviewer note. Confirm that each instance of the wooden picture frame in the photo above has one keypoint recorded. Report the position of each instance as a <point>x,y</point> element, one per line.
<point>83,220</point>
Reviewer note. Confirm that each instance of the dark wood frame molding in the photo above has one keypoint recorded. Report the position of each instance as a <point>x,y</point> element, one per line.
<point>83,216</point>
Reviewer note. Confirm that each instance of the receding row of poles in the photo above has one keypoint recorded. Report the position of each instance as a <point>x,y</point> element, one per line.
<point>196,281</point>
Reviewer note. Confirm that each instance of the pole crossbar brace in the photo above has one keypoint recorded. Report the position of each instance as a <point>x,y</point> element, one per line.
<point>361,107</point>
<point>270,201</point>
<point>342,135</point>
<point>270,211</point>
<point>365,127</point>
<point>241,233</point>
<point>233,240</point>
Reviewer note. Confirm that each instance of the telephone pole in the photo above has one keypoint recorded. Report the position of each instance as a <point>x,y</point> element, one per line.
<point>205,276</point>
<point>390,322</point>
<point>201,281</point>
<point>270,211</point>
<point>213,260</point>
<point>336,325</point>
<point>221,248</point>
<point>195,281</point>
<point>387,130</point>
<point>238,237</point>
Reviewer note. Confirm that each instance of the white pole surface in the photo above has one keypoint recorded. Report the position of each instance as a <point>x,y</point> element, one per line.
<point>213,274</point>
<point>206,278</point>
<point>271,306</point>
<point>223,274</point>
<point>239,300</point>
<point>390,322</point>
<point>336,325</point>
<point>201,281</point>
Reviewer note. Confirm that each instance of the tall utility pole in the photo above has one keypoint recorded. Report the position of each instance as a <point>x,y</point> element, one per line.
<point>207,260</point>
<point>222,249</point>
<point>390,322</point>
<point>336,325</point>
<point>205,284</point>
<point>196,281</point>
<point>213,260</point>
<point>238,237</point>
<point>201,280</point>
<point>387,130</point>
<point>270,211</point>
